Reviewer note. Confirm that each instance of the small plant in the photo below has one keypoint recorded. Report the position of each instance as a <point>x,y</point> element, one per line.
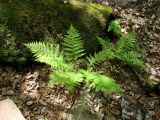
<point>63,66</point>
<point>125,49</point>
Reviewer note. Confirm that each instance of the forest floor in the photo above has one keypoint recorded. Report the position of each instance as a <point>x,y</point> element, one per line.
<point>27,85</point>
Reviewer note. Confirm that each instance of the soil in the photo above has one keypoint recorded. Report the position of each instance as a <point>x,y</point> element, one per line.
<point>27,85</point>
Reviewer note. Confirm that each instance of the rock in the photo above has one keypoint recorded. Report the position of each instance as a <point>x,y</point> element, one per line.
<point>153,16</point>
<point>42,102</point>
<point>41,117</point>
<point>124,2</point>
<point>153,71</point>
<point>131,110</point>
<point>29,103</point>
<point>48,19</point>
<point>9,111</point>
<point>86,107</point>
<point>10,92</point>
<point>135,110</point>
<point>154,79</point>
<point>158,72</point>
<point>121,2</point>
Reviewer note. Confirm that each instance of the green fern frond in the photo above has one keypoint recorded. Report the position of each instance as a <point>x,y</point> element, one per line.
<point>114,26</point>
<point>100,57</point>
<point>73,45</point>
<point>66,74</point>
<point>104,42</point>
<point>106,53</point>
<point>132,59</point>
<point>47,53</point>
<point>69,79</point>
<point>126,43</point>
<point>122,50</point>
<point>101,82</point>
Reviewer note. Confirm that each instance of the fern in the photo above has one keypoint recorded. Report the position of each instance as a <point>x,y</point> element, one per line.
<point>100,82</point>
<point>100,57</point>
<point>115,26</point>
<point>69,79</point>
<point>73,45</point>
<point>106,53</point>
<point>47,53</point>
<point>132,59</point>
<point>124,49</point>
<point>64,73</point>
<point>105,42</point>
<point>126,43</point>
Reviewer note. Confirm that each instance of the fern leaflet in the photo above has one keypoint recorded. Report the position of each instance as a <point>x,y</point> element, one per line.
<point>100,57</point>
<point>100,82</point>
<point>104,42</point>
<point>73,45</point>
<point>69,79</point>
<point>47,53</point>
<point>132,59</point>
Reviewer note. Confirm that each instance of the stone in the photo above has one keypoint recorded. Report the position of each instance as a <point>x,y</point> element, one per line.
<point>29,103</point>
<point>88,106</point>
<point>153,71</point>
<point>9,111</point>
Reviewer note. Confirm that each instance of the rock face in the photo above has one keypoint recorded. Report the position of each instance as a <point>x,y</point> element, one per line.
<point>47,21</point>
<point>9,111</point>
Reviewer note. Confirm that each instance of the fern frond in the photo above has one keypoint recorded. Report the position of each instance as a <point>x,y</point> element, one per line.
<point>100,57</point>
<point>104,42</point>
<point>69,79</point>
<point>132,59</point>
<point>101,82</point>
<point>47,53</point>
<point>126,43</point>
<point>114,26</point>
<point>73,45</point>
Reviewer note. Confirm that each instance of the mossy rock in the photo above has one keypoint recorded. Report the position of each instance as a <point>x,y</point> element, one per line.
<point>31,20</point>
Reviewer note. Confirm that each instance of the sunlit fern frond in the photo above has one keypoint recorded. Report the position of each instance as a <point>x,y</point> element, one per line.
<point>114,26</point>
<point>73,45</point>
<point>101,82</point>
<point>69,79</point>
<point>48,53</point>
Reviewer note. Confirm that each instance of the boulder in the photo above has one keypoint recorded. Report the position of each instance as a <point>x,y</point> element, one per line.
<point>9,111</point>
<point>47,21</point>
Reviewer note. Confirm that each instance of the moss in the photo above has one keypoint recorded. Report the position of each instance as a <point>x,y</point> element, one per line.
<point>29,20</point>
<point>100,12</point>
<point>8,48</point>
<point>90,18</point>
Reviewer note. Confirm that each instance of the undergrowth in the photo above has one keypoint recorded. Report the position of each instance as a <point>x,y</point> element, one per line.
<point>125,49</point>
<point>62,61</point>
<point>63,66</point>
